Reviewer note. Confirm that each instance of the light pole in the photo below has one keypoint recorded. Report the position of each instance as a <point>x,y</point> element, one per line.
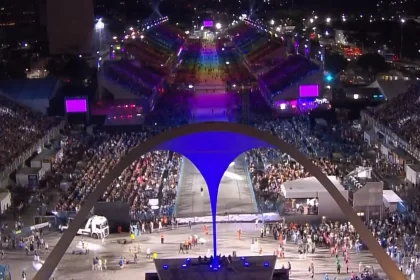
<point>99,26</point>
<point>402,37</point>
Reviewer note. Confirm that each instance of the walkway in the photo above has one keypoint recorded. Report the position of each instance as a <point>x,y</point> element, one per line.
<point>210,102</point>
<point>235,194</point>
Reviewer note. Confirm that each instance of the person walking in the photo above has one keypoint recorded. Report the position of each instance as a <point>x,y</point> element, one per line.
<point>162,238</point>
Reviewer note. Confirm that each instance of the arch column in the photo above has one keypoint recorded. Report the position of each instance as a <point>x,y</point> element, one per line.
<point>212,158</point>
<point>233,139</point>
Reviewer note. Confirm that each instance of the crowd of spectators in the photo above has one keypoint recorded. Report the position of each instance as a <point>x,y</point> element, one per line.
<point>270,168</point>
<point>87,159</point>
<point>20,128</point>
<point>401,115</point>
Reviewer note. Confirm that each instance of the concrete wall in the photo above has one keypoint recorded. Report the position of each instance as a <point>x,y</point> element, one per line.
<point>328,207</point>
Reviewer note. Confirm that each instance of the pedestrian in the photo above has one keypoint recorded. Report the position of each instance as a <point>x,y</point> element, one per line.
<point>162,238</point>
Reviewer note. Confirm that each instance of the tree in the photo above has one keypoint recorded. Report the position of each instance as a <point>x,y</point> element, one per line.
<point>372,64</point>
<point>335,62</point>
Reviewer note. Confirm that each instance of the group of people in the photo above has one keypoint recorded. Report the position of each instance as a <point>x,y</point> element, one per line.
<point>400,115</point>
<point>269,168</point>
<point>20,127</point>
<point>87,159</point>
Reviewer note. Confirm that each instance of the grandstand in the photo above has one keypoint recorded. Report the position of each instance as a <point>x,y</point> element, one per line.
<point>279,75</point>
<point>147,61</point>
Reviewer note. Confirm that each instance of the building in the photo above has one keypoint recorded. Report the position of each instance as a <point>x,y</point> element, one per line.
<point>70,26</point>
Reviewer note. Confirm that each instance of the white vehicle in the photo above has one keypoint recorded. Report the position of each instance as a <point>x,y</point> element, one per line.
<point>95,227</point>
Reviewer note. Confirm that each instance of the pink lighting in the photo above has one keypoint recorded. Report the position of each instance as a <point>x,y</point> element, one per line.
<point>76,105</point>
<point>308,91</point>
<point>179,52</point>
<point>208,23</point>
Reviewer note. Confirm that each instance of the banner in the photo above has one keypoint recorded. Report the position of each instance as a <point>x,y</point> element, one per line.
<point>245,218</point>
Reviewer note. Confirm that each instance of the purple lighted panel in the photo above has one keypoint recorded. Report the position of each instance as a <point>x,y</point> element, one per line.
<point>208,23</point>
<point>308,91</point>
<point>76,106</point>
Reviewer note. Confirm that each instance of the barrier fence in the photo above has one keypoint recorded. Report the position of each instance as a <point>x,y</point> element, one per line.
<point>243,218</point>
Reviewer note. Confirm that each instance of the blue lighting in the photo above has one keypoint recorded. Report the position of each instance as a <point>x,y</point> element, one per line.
<point>246,264</point>
<point>184,265</point>
<point>213,165</point>
<point>242,258</point>
<point>266,264</point>
<point>188,260</point>
<point>329,78</point>
<point>165,266</point>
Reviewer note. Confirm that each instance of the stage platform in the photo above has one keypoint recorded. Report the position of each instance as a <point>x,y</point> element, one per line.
<point>244,268</point>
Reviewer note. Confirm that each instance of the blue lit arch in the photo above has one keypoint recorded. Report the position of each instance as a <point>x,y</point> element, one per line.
<point>218,144</point>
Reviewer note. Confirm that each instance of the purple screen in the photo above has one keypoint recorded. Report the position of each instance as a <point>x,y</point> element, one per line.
<point>208,23</point>
<point>308,91</point>
<point>76,106</point>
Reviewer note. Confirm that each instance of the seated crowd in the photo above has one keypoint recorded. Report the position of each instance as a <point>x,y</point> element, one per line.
<point>152,176</point>
<point>20,128</point>
<point>401,115</point>
<point>269,169</point>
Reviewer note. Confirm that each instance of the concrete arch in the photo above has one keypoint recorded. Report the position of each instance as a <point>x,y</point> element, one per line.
<point>158,142</point>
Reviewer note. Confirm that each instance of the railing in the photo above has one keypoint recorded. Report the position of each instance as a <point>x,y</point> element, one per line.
<point>251,189</point>
<point>51,134</point>
<point>401,143</point>
<point>178,187</point>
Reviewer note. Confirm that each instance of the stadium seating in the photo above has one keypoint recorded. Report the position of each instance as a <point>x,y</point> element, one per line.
<point>148,60</point>
<point>401,115</point>
<point>287,73</point>
<point>20,128</point>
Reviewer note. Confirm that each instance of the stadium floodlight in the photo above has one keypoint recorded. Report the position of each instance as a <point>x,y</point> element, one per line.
<point>100,24</point>
<point>218,25</point>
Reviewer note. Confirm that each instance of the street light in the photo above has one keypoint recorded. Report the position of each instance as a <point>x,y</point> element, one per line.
<point>272,22</point>
<point>328,20</point>
<point>190,86</point>
<point>402,37</point>
<point>100,24</point>
<point>218,25</point>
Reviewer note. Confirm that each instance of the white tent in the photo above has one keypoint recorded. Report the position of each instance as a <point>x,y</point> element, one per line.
<point>391,199</point>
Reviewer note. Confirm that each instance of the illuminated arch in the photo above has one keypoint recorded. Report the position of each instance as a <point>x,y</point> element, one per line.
<point>238,133</point>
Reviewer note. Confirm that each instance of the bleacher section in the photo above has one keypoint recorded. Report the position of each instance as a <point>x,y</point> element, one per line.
<point>237,75</point>
<point>148,60</point>
<point>24,131</point>
<point>266,58</point>
<point>186,73</point>
<point>288,72</point>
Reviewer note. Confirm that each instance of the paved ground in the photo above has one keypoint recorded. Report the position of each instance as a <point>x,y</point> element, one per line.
<point>234,192</point>
<point>79,267</point>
